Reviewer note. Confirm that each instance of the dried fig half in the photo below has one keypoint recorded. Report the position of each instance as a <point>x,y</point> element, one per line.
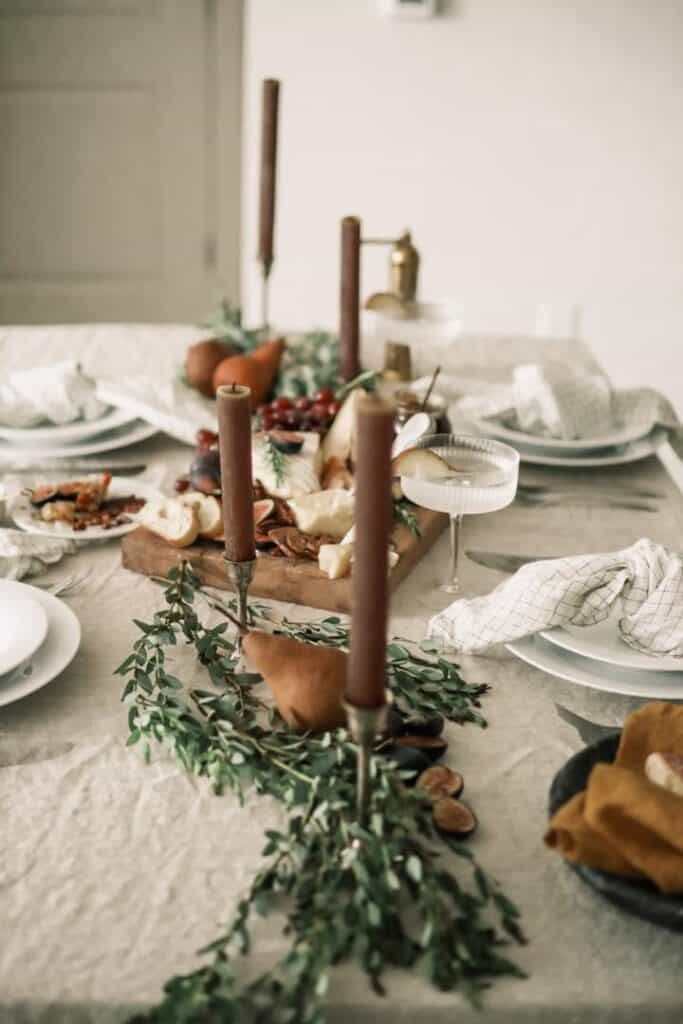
<point>454,817</point>
<point>439,780</point>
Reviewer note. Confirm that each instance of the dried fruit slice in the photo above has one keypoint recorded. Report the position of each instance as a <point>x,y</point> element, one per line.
<point>439,781</point>
<point>454,817</point>
<point>263,509</point>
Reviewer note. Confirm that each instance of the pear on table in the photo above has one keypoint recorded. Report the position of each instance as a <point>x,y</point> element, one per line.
<point>306,680</point>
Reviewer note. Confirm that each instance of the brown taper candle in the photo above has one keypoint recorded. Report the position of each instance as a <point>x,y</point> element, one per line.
<point>349,298</point>
<point>233,406</point>
<point>370,584</point>
<point>271,93</point>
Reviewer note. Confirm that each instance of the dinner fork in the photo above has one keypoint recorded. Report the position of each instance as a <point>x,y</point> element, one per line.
<point>551,499</point>
<point>543,489</point>
<point>67,585</point>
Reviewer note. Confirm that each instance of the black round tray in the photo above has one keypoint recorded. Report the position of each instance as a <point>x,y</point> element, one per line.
<point>635,896</point>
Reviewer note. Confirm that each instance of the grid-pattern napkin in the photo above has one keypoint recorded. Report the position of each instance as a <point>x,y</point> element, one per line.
<point>582,590</point>
<point>556,400</point>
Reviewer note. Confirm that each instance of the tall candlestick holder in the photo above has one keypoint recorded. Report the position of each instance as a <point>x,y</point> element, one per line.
<point>240,575</point>
<point>365,724</point>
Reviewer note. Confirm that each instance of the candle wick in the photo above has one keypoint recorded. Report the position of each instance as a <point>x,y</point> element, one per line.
<point>234,386</point>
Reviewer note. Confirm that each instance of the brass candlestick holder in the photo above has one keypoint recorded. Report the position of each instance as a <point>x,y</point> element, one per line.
<point>364,725</point>
<point>240,575</point>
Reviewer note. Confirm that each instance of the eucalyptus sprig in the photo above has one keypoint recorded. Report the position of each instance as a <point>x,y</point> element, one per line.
<point>386,895</point>
<point>405,515</point>
<point>276,459</point>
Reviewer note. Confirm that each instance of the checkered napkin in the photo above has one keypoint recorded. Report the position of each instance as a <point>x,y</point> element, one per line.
<point>559,401</point>
<point>583,589</point>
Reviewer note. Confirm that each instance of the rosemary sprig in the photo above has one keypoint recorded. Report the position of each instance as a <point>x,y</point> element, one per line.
<point>382,896</point>
<point>404,514</point>
<point>276,459</point>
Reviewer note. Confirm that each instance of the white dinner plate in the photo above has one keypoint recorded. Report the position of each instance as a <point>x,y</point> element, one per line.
<point>28,519</point>
<point>129,433</point>
<point>23,625</point>
<point>597,675</point>
<point>559,446</point>
<point>603,642</point>
<point>620,456</point>
<point>61,642</point>
<point>68,433</point>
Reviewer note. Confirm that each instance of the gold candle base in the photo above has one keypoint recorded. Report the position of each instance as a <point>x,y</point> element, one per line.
<point>364,725</point>
<point>240,575</point>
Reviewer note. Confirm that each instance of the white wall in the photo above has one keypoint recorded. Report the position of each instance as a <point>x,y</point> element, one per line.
<point>533,146</point>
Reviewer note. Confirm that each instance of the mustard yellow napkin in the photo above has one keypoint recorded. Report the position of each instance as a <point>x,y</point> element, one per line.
<point>622,822</point>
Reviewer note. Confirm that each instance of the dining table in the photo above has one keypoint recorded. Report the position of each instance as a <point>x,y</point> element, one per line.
<point>114,872</point>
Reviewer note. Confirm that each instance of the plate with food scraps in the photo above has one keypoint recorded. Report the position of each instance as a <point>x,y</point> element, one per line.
<point>90,508</point>
<point>67,433</point>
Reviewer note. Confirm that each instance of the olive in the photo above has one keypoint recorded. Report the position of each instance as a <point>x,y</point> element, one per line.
<point>425,726</point>
<point>408,760</point>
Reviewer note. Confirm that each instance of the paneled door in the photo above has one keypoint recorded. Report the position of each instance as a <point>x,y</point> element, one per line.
<point>119,158</point>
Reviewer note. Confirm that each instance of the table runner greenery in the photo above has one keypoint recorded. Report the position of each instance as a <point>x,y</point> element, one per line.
<point>393,894</point>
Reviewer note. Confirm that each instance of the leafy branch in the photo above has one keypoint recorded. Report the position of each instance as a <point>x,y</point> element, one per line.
<point>276,459</point>
<point>389,895</point>
<point>404,514</point>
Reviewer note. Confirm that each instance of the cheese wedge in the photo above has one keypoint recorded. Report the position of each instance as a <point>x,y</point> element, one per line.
<point>335,560</point>
<point>329,512</point>
<point>300,473</point>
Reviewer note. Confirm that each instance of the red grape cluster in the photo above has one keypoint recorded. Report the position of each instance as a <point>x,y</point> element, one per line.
<point>315,414</point>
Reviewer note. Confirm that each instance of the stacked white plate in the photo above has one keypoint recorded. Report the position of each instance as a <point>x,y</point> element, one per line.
<point>597,657</point>
<point>39,636</point>
<point>116,428</point>
<point>628,443</point>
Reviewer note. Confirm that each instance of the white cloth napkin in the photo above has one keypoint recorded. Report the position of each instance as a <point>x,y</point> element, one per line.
<point>28,554</point>
<point>581,590</point>
<point>556,400</point>
<point>58,394</point>
<point>170,405</point>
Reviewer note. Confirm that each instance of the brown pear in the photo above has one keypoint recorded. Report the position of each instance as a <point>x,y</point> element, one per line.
<point>306,680</point>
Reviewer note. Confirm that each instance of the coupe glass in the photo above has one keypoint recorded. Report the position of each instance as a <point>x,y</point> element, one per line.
<point>483,478</point>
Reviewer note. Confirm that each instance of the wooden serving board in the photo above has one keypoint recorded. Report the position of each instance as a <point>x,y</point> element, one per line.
<point>281,579</point>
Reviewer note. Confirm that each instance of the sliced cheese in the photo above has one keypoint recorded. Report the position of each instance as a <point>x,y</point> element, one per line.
<point>335,560</point>
<point>301,472</point>
<point>329,512</point>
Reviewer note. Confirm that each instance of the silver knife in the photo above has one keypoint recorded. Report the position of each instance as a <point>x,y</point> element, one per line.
<point>506,563</point>
<point>73,466</point>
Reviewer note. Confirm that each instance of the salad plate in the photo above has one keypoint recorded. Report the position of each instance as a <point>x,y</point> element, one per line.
<point>23,625</point>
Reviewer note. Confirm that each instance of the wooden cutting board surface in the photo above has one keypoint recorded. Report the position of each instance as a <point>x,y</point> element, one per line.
<point>281,579</point>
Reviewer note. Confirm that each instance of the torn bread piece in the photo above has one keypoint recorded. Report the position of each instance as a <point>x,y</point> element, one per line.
<point>209,513</point>
<point>176,523</point>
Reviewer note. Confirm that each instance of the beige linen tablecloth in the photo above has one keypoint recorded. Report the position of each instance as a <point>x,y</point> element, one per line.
<point>112,873</point>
